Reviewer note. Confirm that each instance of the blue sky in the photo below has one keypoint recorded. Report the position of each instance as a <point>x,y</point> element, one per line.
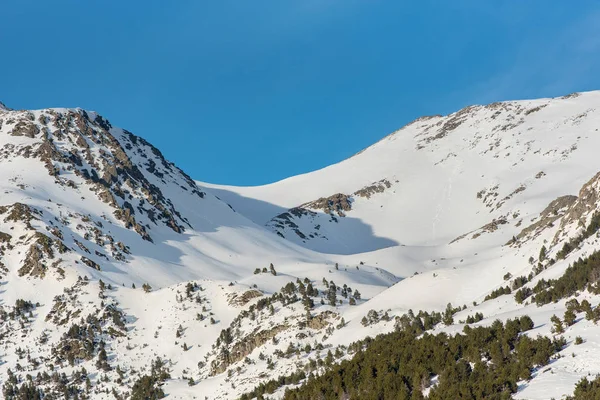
<point>250,92</point>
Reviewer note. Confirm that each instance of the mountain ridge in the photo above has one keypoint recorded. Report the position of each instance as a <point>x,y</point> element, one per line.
<point>112,256</point>
<point>514,126</point>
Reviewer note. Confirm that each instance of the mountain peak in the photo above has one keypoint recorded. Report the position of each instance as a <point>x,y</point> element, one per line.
<point>109,252</point>
<point>82,149</point>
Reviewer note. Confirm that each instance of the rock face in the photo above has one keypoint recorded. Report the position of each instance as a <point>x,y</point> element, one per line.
<point>555,210</point>
<point>335,204</point>
<point>244,347</point>
<point>585,203</point>
<point>332,207</point>
<point>81,148</point>
<point>376,187</point>
<point>244,298</point>
<point>570,219</point>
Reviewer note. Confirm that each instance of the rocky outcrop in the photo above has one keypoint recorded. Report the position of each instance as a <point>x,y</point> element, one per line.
<point>573,212</point>
<point>555,210</point>
<point>244,298</point>
<point>19,212</point>
<point>490,227</point>
<point>244,347</point>
<point>338,203</point>
<point>320,321</point>
<point>334,206</point>
<point>586,201</point>
<point>41,250</point>
<point>85,144</point>
<point>376,187</point>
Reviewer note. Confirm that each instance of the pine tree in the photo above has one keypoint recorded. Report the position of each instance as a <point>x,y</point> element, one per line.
<point>332,294</point>
<point>329,358</point>
<point>448,318</point>
<point>102,362</point>
<point>558,326</point>
<point>570,317</point>
<point>542,256</point>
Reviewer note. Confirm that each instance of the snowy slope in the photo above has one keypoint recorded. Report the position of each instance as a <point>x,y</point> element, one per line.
<point>81,198</point>
<point>438,212</point>
<point>447,176</point>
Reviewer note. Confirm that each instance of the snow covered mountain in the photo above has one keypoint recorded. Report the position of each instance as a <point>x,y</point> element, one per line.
<point>112,257</point>
<point>435,179</point>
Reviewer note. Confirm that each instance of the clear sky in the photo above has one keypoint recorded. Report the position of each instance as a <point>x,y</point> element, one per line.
<point>250,92</point>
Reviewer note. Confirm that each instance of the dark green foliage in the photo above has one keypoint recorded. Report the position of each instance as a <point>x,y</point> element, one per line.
<point>593,314</point>
<point>274,384</point>
<point>27,391</point>
<point>593,227</point>
<point>418,324</point>
<point>566,249</point>
<point>586,390</point>
<point>401,364</point>
<point>573,305</point>
<point>102,362</point>
<point>148,387</point>
<point>62,387</point>
<point>472,319</point>
<point>497,293</point>
<point>558,326</point>
<point>332,294</point>
<point>371,318</point>
<point>575,242</point>
<point>522,294</point>
<point>569,317</point>
<point>542,256</point>
<point>526,323</point>
<point>448,315</point>
<point>585,307</point>
<point>519,282</point>
<point>583,274</point>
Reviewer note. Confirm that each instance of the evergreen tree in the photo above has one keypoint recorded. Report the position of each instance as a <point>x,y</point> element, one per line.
<point>332,294</point>
<point>542,256</point>
<point>558,326</point>
<point>570,317</point>
<point>448,317</point>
